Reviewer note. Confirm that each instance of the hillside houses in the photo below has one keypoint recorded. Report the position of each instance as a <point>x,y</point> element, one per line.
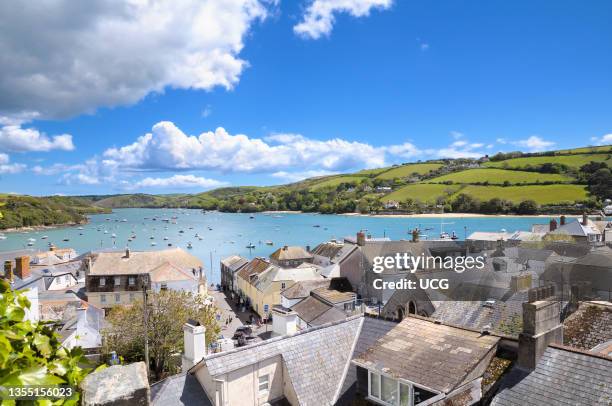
<point>418,361</point>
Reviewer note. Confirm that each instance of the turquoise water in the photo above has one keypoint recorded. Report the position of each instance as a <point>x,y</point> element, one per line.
<point>230,233</point>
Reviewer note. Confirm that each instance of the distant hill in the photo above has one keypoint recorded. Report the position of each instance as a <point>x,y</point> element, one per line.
<point>547,181</point>
<point>28,211</point>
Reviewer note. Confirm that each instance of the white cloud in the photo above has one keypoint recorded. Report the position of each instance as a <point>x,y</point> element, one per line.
<point>534,143</point>
<point>405,150</point>
<point>178,181</point>
<point>424,47</point>
<point>319,17</point>
<point>207,111</point>
<point>603,140</point>
<point>67,58</point>
<point>8,168</point>
<point>15,137</point>
<point>169,148</point>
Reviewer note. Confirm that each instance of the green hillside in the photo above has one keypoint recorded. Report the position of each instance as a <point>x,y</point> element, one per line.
<point>424,192</point>
<point>500,176</point>
<point>563,180</point>
<point>407,170</point>
<point>543,195</point>
<point>574,161</point>
<point>28,211</point>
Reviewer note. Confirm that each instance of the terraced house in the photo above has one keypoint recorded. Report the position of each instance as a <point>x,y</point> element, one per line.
<point>118,277</point>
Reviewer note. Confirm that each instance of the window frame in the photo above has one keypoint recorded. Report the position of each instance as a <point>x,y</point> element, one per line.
<point>117,281</point>
<point>131,281</point>
<point>102,281</point>
<point>117,298</point>
<point>266,382</point>
<point>102,298</point>
<point>378,398</point>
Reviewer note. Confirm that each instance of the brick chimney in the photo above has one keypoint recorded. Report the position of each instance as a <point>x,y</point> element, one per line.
<point>541,326</point>
<point>194,336</point>
<point>552,225</point>
<point>8,270</point>
<point>562,220</point>
<point>22,267</point>
<point>127,252</point>
<point>361,238</point>
<point>585,219</point>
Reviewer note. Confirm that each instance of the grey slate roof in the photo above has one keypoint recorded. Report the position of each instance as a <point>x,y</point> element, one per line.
<point>316,359</point>
<point>179,390</point>
<point>435,356</point>
<point>561,378</point>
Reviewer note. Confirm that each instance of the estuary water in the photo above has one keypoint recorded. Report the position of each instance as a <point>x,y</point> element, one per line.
<point>223,234</point>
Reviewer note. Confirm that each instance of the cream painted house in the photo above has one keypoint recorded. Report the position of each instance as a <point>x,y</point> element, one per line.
<point>117,277</point>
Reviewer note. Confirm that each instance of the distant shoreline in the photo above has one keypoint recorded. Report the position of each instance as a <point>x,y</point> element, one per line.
<point>456,215</point>
<point>38,228</point>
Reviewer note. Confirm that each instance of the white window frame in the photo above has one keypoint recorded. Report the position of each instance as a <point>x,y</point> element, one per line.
<point>266,382</point>
<point>131,281</point>
<point>102,298</point>
<point>102,281</point>
<point>378,399</point>
<point>117,280</point>
<point>117,298</point>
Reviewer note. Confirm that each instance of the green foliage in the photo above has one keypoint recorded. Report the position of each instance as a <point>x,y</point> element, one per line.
<point>28,211</point>
<point>167,312</point>
<point>31,353</point>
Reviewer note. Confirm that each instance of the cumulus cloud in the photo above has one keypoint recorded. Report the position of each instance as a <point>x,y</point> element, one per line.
<point>535,144</point>
<point>8,168</point>
<point>178,181</point>
<point>14,137</point>
<point>406,150</point>
<point>67,58</point>
<point>319,17</point>
<point>167,147</point>
<point>603,140</point>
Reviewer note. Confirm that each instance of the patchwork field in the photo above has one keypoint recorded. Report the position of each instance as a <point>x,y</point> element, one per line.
<point>573,161</point>
<point>336,181</point>
<point>424,192</point>
<point>544,194</point>
<point>499,176</point>
<point>407,170</point>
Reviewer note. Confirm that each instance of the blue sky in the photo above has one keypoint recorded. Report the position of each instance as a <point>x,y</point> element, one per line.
<point>265,92</point>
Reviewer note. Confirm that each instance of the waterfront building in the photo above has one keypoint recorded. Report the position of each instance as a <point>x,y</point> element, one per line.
<point>291,256</point>
<point>118,277</point>
<point>229,271</point>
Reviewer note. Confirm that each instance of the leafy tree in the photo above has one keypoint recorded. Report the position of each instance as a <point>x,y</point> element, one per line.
<point>600,183</point>
<point>527,207</point>
<point>31,353</point>
<point>464,203</point>
<point>167,311</point>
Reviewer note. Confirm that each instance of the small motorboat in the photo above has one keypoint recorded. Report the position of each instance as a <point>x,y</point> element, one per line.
<point>165,238</point>
<point>251,245</point>
<point>269,242</point>
<point>151,238</point>
<point>30,243</point>
<point>44,237</point>
<point>2,237</point>
<point>80,228</point>
<point>105,231</point>
<point>66,239</point>
<point>153,244</point>
<point>181,231</point>
<point>124,220</point>
<point>316,226</point>
<point>189,245</point>
<point>169,244</point>
<point>113,235</point>
<point>32,239</point>
<point>251,217</point>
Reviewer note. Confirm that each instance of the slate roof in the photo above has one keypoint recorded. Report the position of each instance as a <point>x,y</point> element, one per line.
<point>311,308</point>
<point>179,390</point>
<point>435,356</point>
<point>316,359</point>
<point>577,229</point>
<point>335,251</point>
<point>255,267</point>
<point>561,378</point>
<point>277,274</point>
<point>116,263</point>
<point>302,289</point>
<point>234,262</point>
<point>589,326</point>
<point>334,296</point>
<point>288,253</point>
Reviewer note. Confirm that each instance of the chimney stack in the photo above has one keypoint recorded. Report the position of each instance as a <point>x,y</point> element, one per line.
<point>22,267</point>
<point>127,252</point>
<point>585,219</point>
<point>284,321</point>
<point>194,336</point>
<point>8,271</point>
<point>562,220</point>
<point>541,326</point>
<point>361,238</point>
<point>553,225</point>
